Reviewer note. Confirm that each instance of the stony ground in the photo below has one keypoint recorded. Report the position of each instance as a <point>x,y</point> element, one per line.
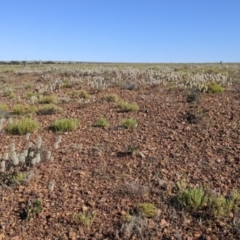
<point>95,174</point>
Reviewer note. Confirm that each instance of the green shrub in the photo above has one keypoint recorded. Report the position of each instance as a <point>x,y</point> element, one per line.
<point>192,198</point>
<point>23,109</point>
<point>102,122</point>
<point>22,127</point>
<point>49,109</point>
<point>3,107</point>
<point>48,99</point>
<point>65,124</point>
<point>84,218</point>
<point>33,209</point>
<point>147,210</point>
<point>125,106</point>
<point>83,94</point>
<point>221,206</point>
<point>129,123</point>
<point>111,97</point>
<point>214,88</point>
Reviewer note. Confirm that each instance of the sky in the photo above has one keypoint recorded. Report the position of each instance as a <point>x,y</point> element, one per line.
<point>144,31</point>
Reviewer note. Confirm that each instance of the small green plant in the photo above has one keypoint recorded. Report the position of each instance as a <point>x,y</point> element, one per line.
<point>111,97</point>
<point>192,198</point>
<point>65,124</point>
<point>33,209</point>
<point>9,93</point>
<point>128,107</point>
<point>147,210</point>
<point>48,99</point>
<point>129,123</point>
<point>17,177</point>
<point>66,84</point>
<point>23,109</point>
<point>80,93</point>
<point>49,109</point>
<point>84,218</point>
<point>214,88</point>
<point>23,126</point>
<point>102,122</point>
<point>3,107</point>
<point>220,205</point>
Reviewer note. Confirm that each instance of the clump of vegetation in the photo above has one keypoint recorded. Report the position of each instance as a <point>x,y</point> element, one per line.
<point>147,210</point>
<point>48,99</point>
<point>214,88</point>
<point>65,124</point>
<point>49,109</point>
<point>129,123</point>
<point>23,109</point>
<point>193,96</point>
<point>80,94</point>
<point>102,122</point>
<point>9,93</point>
<point>111,97</point>
<point>66,84</point>
<point>33,209</point>
<point>220,205</point>
<point>192,198</point>
<point>23,126</point>
<point>125,106</point>
<point>3,107</point>
<point>17,177</point>
<point>84,218</point>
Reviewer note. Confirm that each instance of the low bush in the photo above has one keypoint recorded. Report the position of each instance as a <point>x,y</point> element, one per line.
<point>125,106</point>
<point>129,123</point>
<point>49,109</point>
<point>23,126</point>
<point>65,125</point>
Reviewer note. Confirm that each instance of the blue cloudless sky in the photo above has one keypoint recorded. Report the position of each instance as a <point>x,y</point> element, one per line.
<point>120,30</point>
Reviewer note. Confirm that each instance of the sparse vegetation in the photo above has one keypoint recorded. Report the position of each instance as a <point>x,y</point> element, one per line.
<point>84,218</point>
<point>23,109</point>
<point>111,97</point>
<point>102,122</point>
<point>129,123</point>
<point>3,107</point>
<point>48,99</point>
<point>147,210</point>
<point>214,88</point>
<point>128,107</point>
<point>23,126</point>
<point>33,209</point>
<point>174,176</point>
<point>49,109</point>
<point>65,125</point>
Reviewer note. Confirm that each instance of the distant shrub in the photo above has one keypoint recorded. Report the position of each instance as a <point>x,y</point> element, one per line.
<point>111,97</point>
<point>23,126</point>
<point>192,198</point>
<point>147,210</point>
<point>193,96</point>
<point>48,99</point>
<point>125,106</point>
<point>65,124</point>
<point>23,109</point>
<point>129,123</point>
<point>102,122</point>
<point>214,88</point>
<point>3,107</point>
<point>49,109</point>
